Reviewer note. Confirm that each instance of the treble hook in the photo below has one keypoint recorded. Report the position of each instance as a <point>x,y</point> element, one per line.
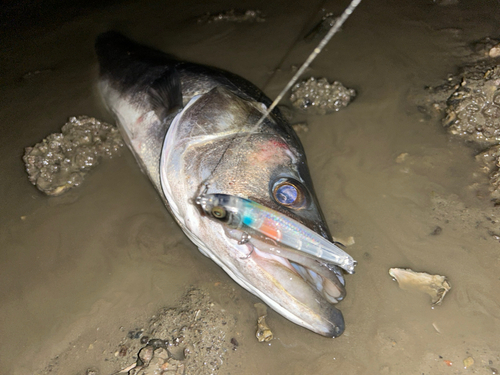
<point>199,198</point>
<point>245,238</point>
<point>249,254</point>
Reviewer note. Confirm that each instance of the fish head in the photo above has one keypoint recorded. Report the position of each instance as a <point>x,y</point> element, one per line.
<point>213,147</point>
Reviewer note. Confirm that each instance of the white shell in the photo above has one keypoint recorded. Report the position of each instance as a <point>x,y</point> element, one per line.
<point>435,286</point>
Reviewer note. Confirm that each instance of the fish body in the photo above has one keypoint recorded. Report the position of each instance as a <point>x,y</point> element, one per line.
<point>192,130</point>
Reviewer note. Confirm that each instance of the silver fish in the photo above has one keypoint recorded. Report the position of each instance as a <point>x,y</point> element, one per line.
<point>192,131</point>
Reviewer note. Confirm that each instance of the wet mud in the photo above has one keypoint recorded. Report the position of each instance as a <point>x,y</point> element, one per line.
<point>195,336</point>
<point>81,271</point>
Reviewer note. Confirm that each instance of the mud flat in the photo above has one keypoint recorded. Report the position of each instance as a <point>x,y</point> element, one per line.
<point>197,336</point>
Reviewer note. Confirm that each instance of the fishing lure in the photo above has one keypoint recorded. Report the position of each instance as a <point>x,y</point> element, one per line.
<point>254,218</point>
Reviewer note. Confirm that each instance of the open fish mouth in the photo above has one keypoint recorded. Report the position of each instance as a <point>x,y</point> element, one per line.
<point>326,279</point>
<point>294,257</point>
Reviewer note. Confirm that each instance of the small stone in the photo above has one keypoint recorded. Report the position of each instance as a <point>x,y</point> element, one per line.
<point>123,351</point>
<point>161,353</point>
<point>468,362</point>
<point>494,51</point>
<point>437,231</point>
<point>349,241</point>
<point>264,333</point>
<point>401,157</point>
<point>300,127</point>
<point>158,343</point>
<point>146,354</point>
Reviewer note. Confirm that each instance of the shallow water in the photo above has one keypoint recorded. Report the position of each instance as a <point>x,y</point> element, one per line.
<point>77,268</point>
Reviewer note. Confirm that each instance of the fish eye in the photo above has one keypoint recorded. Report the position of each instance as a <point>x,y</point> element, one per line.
<point>286,194</point>
<point>289,193</point>
<point>218,212</point>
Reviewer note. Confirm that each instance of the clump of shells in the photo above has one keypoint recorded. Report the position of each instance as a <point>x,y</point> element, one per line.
<point>473,109</point>
<point>318,96</point>
<point>62,160</point>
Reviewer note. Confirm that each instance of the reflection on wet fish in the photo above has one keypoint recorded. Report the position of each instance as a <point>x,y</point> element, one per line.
<point>188,125</point>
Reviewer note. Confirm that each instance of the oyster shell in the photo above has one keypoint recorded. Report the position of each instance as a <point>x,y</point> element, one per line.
<point>435,286</point>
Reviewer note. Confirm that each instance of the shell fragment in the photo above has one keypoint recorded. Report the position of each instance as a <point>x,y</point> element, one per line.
<point>435,286</point>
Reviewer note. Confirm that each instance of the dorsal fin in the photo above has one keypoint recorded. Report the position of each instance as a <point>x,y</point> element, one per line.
<point>166,93</point>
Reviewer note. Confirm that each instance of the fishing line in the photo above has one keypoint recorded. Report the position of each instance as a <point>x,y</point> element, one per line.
<point>294,43</point>
<point>333,30</point>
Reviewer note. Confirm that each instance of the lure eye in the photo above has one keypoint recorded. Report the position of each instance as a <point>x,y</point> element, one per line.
<point>289,193</point>
<point>219,212</point>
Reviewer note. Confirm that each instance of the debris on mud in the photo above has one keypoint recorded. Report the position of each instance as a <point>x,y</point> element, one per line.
<point>450,210</point>
<point>468,362</point>
<point>489,161</point>
<point>192,338</point>
<point>473,109</point>
<point>318,96</point>
<point>36,73</point>
<point>486,47</point>
<point>153,361</point>
<point>233,15</point>
<point>473,113</point>
<point>300,127</point>
<point>263,333</point>
<point>468,105</point>
<point>62,160</point>
<point>468,102</point>
<point>319,30</point>
<point>435,286</point>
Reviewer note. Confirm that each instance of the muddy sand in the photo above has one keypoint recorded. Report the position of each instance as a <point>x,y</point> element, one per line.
<point>83,276</point>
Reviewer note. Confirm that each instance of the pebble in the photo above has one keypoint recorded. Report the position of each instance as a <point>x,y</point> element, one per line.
<point>494,51</point>
<point>468,362</point>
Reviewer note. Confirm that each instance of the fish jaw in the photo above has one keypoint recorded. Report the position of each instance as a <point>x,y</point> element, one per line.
<point>269,277</point>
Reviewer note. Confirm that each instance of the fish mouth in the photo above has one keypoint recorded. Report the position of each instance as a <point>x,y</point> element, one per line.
<point>314,285</point>
<point>301,278</point>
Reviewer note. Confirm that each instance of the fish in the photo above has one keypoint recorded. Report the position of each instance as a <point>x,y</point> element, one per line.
<point>192,129</point>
